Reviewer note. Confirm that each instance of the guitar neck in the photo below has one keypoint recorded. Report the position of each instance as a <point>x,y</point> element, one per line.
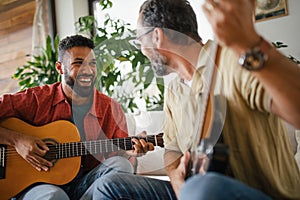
<point>73,149</point>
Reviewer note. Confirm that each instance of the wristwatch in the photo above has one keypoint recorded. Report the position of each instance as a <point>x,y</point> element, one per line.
<point>256,57</point>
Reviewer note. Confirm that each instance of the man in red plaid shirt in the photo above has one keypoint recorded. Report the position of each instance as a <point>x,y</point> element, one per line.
<point>75,99</point>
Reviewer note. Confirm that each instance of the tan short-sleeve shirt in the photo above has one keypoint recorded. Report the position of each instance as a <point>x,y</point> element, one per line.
<point>260,152</point>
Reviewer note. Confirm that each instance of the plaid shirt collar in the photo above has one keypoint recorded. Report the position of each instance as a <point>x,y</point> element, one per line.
<point>60,97</point>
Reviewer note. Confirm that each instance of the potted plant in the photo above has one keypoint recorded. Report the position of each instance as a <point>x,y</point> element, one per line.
<point>41,69</point>
<point>124,73</point>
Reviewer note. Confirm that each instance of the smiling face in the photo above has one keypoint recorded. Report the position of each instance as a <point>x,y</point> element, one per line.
<point>158,60</point>
<point>79,70</point>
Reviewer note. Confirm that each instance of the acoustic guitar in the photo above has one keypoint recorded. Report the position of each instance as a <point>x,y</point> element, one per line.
<point>63,140</point>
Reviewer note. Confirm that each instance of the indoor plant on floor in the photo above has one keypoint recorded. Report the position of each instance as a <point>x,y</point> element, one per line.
<point>115,54</point>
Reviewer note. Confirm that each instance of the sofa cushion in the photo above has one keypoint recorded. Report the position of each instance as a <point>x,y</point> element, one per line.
<point>152,122</point>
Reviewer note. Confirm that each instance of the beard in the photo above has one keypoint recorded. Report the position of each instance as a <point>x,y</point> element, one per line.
<point>159,64</point>
<point>83,91</point>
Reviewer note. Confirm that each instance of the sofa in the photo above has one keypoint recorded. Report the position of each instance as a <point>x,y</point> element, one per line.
<point>152,163</point>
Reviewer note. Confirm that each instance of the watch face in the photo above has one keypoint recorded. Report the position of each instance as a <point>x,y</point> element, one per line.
<point>252,60</point>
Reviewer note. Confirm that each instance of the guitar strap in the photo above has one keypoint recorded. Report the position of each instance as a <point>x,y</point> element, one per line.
<point>217,153</point>
<point>220,158</point>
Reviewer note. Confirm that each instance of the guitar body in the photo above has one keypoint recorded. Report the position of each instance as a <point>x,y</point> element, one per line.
<point>19,174</point>
<point>65,148</point>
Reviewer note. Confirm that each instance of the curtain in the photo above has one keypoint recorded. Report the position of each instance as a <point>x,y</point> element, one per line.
<point>41,27</point>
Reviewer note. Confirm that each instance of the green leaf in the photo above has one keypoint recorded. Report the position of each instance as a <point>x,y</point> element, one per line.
<point>113,49</point>
<point>33,73</point>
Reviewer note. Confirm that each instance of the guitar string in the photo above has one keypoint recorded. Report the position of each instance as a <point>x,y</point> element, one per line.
<point>109,144</point>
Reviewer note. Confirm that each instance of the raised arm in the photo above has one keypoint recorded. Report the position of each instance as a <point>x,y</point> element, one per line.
<point>233,25</point>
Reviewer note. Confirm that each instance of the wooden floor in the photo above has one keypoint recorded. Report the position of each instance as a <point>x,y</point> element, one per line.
<point>15,42</point>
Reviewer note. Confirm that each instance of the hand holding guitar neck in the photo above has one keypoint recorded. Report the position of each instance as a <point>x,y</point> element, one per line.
<point>65,149</point>
<point>140,147</point>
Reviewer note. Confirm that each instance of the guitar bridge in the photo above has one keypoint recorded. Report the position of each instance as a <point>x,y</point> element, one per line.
<point>2,160</point>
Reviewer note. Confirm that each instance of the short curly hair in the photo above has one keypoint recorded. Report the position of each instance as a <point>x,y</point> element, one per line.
<point>73,41</point>
<point>177,15</point>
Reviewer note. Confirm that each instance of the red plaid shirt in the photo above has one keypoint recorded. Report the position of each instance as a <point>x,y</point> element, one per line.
<point>41,105</point>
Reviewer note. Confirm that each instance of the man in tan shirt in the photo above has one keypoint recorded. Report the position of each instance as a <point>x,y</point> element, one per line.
<point>254,78</point>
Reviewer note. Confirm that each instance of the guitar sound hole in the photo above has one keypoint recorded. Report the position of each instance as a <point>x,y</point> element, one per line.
<point>51,155</point>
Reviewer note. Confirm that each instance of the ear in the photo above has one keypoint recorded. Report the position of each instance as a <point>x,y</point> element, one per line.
<point>59,67</point>
<point>158,37</point>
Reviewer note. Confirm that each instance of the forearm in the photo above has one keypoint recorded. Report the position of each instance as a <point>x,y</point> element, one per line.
<point>280,78</point>
<point>8,137</point>
<point>171,161</point>
<point>175,165</point>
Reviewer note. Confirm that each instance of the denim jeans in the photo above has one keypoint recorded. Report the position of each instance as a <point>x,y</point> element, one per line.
<point>124,186</point>
<point>214,186</point>
<point>82,188</point>
<point>211,186</point>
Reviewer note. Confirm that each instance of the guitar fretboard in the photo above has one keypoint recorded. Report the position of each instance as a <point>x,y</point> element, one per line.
<point>73,149</point>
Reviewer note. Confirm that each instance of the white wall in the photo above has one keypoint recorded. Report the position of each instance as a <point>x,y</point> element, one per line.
<point>285,29</point>
<point>67,13</point>
<point>126,10</point>
<point>130,14</point>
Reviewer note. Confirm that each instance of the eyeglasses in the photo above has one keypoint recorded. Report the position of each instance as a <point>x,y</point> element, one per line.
<point>137,42</point>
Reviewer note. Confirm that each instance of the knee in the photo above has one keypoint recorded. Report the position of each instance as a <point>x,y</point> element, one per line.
<point>119,163</point>
<point>105,182</point>
<point>202,186</point>
<point>109,186</point>
<point>111,180</point>
<point>59,194</point>
<point>45,191</point>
